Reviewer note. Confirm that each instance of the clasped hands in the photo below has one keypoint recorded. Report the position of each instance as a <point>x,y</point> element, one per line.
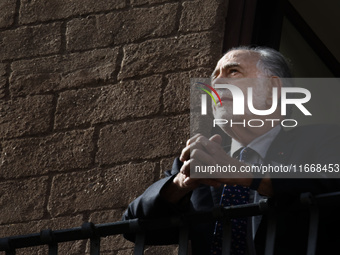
<point>200,150</point>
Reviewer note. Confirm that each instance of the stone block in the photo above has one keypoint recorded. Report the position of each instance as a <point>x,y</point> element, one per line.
<point>127,99</point>
<point>7,13</point>
<point>144,2</point>
<point>3,80</point>
<point>99,189</point>
<point>142,139</point>
<point>166,249</point>
<point>87,33</point>
<point>126,252</point>
<point>23,200</point>
<point>62,72</point>
<point>121,27</point>
<point>177,92</point>
<point>30,41</point>
<point>203,15</point>
<point>170,54</point>
<point>41,155</point>
<point>25,116</point>
<point>41,10</point>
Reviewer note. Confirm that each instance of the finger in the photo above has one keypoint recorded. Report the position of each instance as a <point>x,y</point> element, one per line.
<point>193,139</point>
<point>211,145</point>
<point>216,138</point>
<point>190,182</point>
<point>189,165</point>
<point>202,156</point>
<point>185,154</point>
<point>185,169</point>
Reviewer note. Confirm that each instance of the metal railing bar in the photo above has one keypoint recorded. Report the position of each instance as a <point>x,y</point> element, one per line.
<point>53,249</point>
<point>24,241</point>
<point>226,238</point>
<point>327,199</point>
<point>95,246</point>
<point>139,244</point>
<point>107,229</point>
<point>313,230</point>
<point>47,237</point>
<point>271,234</point>
<point>183,241</point>
<point>246,210</point>
<point>309,200</point>
<point>66,235</point>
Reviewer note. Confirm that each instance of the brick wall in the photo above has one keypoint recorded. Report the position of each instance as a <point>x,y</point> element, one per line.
<point>94,100</point>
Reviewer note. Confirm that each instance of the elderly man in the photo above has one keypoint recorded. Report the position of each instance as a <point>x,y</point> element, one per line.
<point>178,192</point>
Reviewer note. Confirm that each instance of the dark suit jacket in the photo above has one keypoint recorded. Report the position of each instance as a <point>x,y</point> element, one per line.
<point>303,145</point>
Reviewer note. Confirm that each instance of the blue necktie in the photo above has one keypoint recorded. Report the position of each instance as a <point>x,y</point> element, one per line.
<point>233,195</point>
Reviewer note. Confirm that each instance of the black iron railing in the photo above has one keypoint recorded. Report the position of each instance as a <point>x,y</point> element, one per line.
<point>88,230</point>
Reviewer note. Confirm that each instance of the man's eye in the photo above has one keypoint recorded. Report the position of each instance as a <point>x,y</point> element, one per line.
<point>233,71</point>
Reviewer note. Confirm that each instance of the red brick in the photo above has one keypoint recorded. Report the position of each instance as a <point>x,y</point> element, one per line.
<point>41,10</point>
<point>62,72</point>
<point>7,12</point>
<point>22,200</point>
<point>163,55</point>
<point>30,41</point>
<point>99,188</point>
<point>125,100</point>
<point>40,155</point>
<point>121,27</point>
<point>25,116</point>
<point>143,139</point>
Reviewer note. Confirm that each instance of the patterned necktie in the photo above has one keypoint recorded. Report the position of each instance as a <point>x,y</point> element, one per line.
<point>233,195</point>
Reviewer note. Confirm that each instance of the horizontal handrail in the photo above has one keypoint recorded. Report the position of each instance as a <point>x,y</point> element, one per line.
<point>91,231</point>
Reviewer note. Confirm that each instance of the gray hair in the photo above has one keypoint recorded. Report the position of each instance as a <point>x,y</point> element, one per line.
<point>271,61</point>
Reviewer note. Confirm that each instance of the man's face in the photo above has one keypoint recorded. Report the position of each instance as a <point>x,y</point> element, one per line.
<point>239,64</point>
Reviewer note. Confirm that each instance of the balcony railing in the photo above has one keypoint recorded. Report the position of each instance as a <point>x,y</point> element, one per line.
<point>88,230</point>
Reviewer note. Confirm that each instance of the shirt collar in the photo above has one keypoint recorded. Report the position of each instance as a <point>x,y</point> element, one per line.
<point>260,144</point>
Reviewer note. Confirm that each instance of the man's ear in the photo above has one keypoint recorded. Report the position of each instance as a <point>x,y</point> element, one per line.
<point>274,82</point>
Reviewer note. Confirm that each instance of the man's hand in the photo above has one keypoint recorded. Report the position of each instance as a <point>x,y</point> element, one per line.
<point>201,151</point>
<point>182,183</point>
<point>198,150</point>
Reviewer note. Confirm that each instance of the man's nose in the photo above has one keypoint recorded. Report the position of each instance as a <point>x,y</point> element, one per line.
<point>220,79</point>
